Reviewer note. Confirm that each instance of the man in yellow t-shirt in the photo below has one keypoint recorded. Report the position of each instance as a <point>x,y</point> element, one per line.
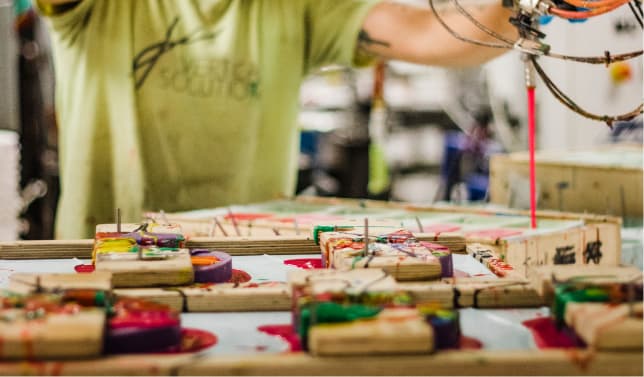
<point>176,105</point>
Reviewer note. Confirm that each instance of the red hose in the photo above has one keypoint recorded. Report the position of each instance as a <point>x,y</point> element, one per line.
<point>586,14</point>
<point>594,4</point>
<point>531,146</point>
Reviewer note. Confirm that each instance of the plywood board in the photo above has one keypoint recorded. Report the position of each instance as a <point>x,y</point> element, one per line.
<point>289,245</point>
<point>476,363</point>
<point>497,293</point>
<point>25,283</point>
<point>227,297</point>
<point>245,297</point>
<point>468,362</point>
<point>126,365</point>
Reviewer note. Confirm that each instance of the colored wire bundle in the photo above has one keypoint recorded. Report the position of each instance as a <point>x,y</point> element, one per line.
<point>596,8</point>
<point>509,44</point>
<point>636,9</point>
<point>569,103</point>
<point>462,38</point>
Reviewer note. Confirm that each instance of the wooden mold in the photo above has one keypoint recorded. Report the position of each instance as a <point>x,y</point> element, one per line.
<point>175,270</point>
<point>543,278</point>
<point>417,263</point>
<point>606,326</point>
<point>392,331</point>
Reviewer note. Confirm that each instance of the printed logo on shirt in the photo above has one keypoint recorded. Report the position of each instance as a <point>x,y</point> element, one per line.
<point>201,77</point>
<point>148,57</point>
<point>211,77</point>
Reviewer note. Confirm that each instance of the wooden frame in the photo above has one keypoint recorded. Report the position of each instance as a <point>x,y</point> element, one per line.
<point>466,362</point>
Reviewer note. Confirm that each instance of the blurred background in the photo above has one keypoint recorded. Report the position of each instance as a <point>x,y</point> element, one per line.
<point>430,140</point>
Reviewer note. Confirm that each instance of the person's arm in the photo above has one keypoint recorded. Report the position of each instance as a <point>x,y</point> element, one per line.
<point>57,2</point>
<point>54,7</point>
<point>402,32</point>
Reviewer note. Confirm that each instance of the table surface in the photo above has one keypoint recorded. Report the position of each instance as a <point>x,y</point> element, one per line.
<point>237,331</point>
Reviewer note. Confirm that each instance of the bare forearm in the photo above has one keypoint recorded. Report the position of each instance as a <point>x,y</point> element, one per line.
<point>396,31</point>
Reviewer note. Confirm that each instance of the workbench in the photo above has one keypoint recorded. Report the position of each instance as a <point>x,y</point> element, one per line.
<point>508,347</point>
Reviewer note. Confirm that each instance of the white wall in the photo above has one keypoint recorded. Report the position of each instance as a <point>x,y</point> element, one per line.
<point>590,86</point>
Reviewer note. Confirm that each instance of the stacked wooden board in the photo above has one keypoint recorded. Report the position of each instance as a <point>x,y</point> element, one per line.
<point>233,245</point>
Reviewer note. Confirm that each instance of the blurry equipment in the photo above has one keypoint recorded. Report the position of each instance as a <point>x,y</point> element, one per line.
<point>334,158</point>
<point>37,127</point>
<point>378,172</point>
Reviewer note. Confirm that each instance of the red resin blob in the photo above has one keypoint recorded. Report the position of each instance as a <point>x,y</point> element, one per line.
<point>285,332</point>
<point>193,340</point>
<point>240,276</point>
<point>247,216</point>
<point>460,274</point>
<point>305,263</point>
<point>547,335</point>
<point>84,268</point>
<point>467,343</point>
<point>494,233</point>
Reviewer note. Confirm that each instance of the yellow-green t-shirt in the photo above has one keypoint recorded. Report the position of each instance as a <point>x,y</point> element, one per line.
<point>183,104</point>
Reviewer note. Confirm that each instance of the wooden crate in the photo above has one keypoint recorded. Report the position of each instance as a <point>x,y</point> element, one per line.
<point>604,180</point>
<point>175,270</point>
<point>542,277</point>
